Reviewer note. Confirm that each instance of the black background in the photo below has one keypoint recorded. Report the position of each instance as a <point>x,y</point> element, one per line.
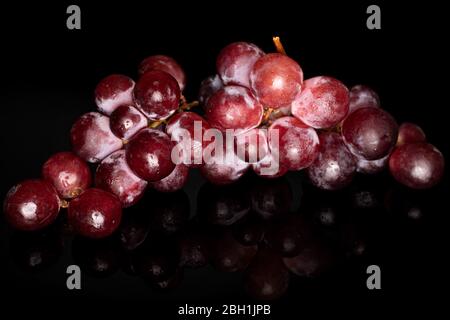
<point>48,74</point>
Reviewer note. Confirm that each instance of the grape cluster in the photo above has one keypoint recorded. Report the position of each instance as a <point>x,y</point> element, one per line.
<point>258,113</point>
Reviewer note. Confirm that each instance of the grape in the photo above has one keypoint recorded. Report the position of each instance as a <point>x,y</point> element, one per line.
<point>133,229</point>
<point>222,166</point>
<point>276,79</point>
<point>31,205</point>
<point>234,107</point>
<point>126,121</point>
<point>252,146</point>
<point>208,87</point>
<point>114,91</point>
<point>266,278</point>
<point>228,255</point>
<point>362,96</point>
<point>92,139</point>
<point>166,64</point>
<point>335,165</point>
<point>410,133</point>
<point>322,103</point>
<point>194,249</point>
<point>187,129</point>
<point>235,62</point>
<point>417,165</point>
<point>371,166</point>
<point>370,133</point>
<point>270,166</point>
<point>149,155</point>
<point>174,181</point>
<point>296,144</point>
<point>95,213</point>
<point>114,175</point>
<point>157,95</point>
<point>68,173</point>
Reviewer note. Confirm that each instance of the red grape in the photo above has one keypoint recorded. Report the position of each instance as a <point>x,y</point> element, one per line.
<point>114,91</point>
<point>114,175</point>
<point>234,107</point>
<point>174,181</point>
<point>31,205</point>
<point>187,130</point>
<point>276,79</point>
<point>222,166</point>
<point>270,166</point>
<point>126,121</point>
<point>335,166</point>
<point>149,155</point>
<point>157,94</point>
<point>296,143</point>
<point>92,138</point>
<point>95,213</point>
<point>322,103</point>
<point>235,62</point>
<point>252,146</point>
<point>409,133</point>
<point>68,173</point>
<point>371,166</point>
<point>166,64</point>
<point>362,96</point>
<point>417,165</point>
<point>208,87</point>
<point>370,133</point>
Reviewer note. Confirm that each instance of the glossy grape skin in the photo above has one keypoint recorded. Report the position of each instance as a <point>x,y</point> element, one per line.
<point>266,278</point>
<point>234,107</point>
<point>95,213</point>
<point>187,129</point>
<point>362,96</point>
<point>157,95</point>
<point>92,139</point>
<point>114,175</point>
<point>166,64</point>
<point>235,62</point>
<point>249,231</point>
<point>370,133</point>
<point>252,146</point>
<point>410,133</point>
<point>148,155</point>
<point>371,166</point>
<point>208,87</point>
<point>297,144</point>
<point>194,247</point>
<point>417,165</point>
<point>228,255</point>
<point>322,103</point>
<point>31,205</point>
<point>284,236</point>
<point>174,181</point>
<point>69,174</point>
<point>169,213</point>
<point>224,167</point>
<point>335,165</point>
<point>114,91</point>
<point>276,79</point>
<point>126,121</point>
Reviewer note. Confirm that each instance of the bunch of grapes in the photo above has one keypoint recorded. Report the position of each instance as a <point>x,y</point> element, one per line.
<point>144,136</point>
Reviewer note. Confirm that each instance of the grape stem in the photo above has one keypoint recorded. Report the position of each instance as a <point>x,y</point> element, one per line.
<point>184,106</point>
<point>278,45</point>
